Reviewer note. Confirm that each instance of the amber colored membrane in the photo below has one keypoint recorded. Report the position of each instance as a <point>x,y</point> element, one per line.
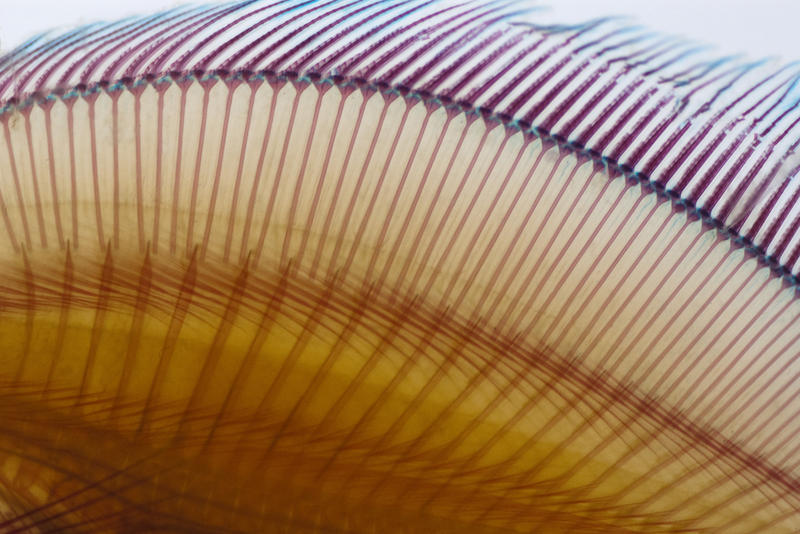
<point>271,305</point>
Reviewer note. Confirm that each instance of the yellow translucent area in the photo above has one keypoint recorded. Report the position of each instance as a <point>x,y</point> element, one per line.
<point>312,408</point>
<point>271,307</point>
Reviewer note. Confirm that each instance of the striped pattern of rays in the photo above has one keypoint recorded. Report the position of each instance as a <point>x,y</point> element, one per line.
<point>261,272</point>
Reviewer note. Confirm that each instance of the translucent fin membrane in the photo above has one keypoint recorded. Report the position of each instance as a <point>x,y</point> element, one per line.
<point>267,275</point>
<point>718,134</point>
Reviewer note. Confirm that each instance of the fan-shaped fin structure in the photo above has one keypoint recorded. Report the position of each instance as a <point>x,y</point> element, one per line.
<point>395,266</point>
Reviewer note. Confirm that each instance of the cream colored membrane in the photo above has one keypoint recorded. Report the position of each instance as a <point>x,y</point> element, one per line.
<point>600,294</point>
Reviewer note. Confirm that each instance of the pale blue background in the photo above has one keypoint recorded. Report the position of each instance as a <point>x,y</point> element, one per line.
<point>756,27</point>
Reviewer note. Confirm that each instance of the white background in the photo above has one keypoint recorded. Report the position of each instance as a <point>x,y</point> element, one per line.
<point>757,28</point>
